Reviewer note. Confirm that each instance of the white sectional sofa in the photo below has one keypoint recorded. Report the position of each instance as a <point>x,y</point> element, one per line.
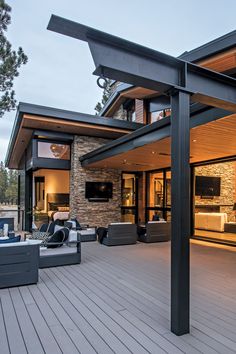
<point>210,221</point>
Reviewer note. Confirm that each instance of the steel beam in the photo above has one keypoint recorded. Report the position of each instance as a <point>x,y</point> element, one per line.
<point>180,212</point>
<point>129,62</point>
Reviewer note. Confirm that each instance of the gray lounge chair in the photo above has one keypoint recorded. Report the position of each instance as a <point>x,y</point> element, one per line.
<point>120,234</point>
<point>156,231</point>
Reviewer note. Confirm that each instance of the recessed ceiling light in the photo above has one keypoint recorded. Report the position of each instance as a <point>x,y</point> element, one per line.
<point>153,152</point>
<point>194,140</point>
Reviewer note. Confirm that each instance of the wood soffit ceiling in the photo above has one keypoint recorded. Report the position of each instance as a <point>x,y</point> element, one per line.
<point>210,141</point>
<point>31,122</point>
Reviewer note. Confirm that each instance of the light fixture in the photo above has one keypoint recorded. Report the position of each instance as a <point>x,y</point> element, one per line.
<point>194,140</point>
<point>153,152</point>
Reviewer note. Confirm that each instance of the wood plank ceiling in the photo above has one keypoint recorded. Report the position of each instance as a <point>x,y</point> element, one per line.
<point>213,140</point>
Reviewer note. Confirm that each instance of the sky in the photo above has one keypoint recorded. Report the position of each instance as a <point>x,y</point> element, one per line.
<point>59,70</point>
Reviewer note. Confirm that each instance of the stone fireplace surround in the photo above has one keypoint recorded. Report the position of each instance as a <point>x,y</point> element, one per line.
<point>92,213</point>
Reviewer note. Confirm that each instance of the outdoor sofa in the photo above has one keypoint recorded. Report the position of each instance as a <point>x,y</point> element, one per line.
<point>123,233</point>
<point>66,253</point>
<point>61,248</point>
<point>156,231</point>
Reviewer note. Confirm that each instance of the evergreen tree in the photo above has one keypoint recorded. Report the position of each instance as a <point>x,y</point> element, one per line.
<point>3,182</point>
<point>8,185</point>
<point>10,62</point>
<point>12,187</point>
<point>106,94</point>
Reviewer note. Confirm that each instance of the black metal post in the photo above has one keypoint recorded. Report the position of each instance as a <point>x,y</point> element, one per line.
<point>180,212</point>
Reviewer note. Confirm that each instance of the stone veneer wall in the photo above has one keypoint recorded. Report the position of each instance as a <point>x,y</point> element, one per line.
<point>227,172</point>
<point>92,213</point>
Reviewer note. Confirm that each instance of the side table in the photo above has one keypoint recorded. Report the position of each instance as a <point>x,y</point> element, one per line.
<point>230,227</point>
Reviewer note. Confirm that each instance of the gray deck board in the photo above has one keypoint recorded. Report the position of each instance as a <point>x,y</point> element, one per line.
<point>117,301</point>
<point>3,337</point>
<point>31,339</point>
<point>13,330</point>
<point>46,336</point>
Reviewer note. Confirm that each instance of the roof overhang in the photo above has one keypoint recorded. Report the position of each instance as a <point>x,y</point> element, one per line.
<point>31,117</point>
<point>218,55</point>
<point>212,137</point>
<point>223,62</point>
<point>211,48</point>
<point>134,64</point>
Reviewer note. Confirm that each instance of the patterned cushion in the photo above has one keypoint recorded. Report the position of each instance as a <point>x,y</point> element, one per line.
<point>39,235</point>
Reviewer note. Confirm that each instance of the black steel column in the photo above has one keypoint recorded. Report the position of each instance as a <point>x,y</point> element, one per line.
<point>180,212</point>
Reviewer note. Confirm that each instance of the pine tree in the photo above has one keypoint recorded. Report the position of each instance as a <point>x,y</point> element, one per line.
<point>10,62</point>
<point>12,187</point>
<point>3,182</point>
<point>106,94</point>
<point>8,185</point>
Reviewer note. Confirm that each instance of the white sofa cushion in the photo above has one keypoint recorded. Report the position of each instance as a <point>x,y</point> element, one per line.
<point>210,221</point>
<point>120,223</point>
<point>44,251</point>
<point>157,222</point>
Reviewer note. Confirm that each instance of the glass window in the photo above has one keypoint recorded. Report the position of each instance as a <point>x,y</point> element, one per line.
<point>155,193</point>
<point>159,195</point>
<point>128,215</point>
<point>168,189</point>
<point>155,116</point>
<point>158,115</point>
<point>153,213</point>
<point>53,150</point>
<point>39,193</point>
<point>128,189</point>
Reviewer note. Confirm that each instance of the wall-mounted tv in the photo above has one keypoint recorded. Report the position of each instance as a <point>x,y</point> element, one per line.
<point>206,186</point>
<point>98,190</point>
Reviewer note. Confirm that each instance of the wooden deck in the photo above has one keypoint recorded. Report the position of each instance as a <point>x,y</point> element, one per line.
<point>117,301</point>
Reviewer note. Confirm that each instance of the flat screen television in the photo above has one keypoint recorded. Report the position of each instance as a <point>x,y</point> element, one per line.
<point>206,186</point>
<point>98,190</point>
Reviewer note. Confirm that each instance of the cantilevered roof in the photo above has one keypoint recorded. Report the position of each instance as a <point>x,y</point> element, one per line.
<point>212,137</point>
<point>198,55</point>
<point>134,64</point>
<point>213,47</point>
<point>30,117</point>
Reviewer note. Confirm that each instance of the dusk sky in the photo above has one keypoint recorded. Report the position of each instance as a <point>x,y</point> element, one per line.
<point>59,70</point>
